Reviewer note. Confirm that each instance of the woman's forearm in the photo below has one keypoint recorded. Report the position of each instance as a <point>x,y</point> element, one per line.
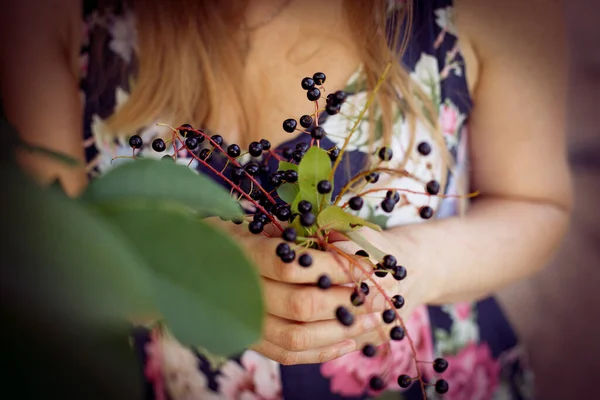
<point>497,243</point>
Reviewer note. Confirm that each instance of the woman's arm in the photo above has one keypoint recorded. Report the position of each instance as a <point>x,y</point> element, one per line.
<point>519,164</point>
<point>39,50</point>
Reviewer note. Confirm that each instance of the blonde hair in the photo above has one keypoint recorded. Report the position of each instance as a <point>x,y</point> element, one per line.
<point>185,47</point>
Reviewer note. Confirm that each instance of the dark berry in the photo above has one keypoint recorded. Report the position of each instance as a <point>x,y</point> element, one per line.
<point>324,187</point>
<point>397,333</point>
<point>361,253</point>
<point>333,109</point>
<point>302,146</point>
<point>304,206</point>
<point>433,187</point>
<point>283,213</point>
<point>264,169</point>
<point>298,155</point>
<point>344,316</point>
<point>289,257</point>
<point>357,299</point>
<point>373,177</point>
<point>136,142</point>
<point>167,157</point>
<point>251,168</point>
<point>255,149</point>
<point>398,301</point>
<point>324,282</point>
<point>233,150</point>
<point>389,316</point>
<point>260,217</point>
<point>424,148</point>
<point>394,195</point>
<point>289,234</point>
<point>308,219</point>
<point>385,154</point>
<point>317,133</point>
<point>237,174</point>
<point>426,212</point>
<point>339,97</point>
<point>441,386</point>
<point>377,383</point>
<point>364,288</point>
<point>159,145</point>
<point>186,129</point>
<point>440,365</point>
<point>369,350</point>
<point>217,139</point>
<point>387,205</point>
<point>313,94</point>
<point>256,227</point>
<point>305,260</point>
<point>275,180</point>
<point>334,153</point>
<point>380,271</point>
<point>289,125</point>
<point>238,221</point>
<point>205,154</point>
<point>399,272</point>
<point>404,381</point>
<point>356,203</point>
<point>306,121</point>
<point>307,83</point>
<point>192,143</point>
<point>286,153</point>
<point>389,261</point>
<point>319,78</point>
<point>291,176</point>
<point>266,145</point>
<point>282,249</point>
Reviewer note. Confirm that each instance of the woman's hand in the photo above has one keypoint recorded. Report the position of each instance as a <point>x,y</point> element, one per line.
<point>300,325</point>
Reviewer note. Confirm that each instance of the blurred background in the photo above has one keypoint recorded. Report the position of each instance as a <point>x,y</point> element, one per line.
<point>557,312</point>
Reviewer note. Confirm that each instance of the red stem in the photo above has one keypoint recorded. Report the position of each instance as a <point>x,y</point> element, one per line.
<point>390,302</point>
<point>239,189</point>
<point>232,160</point>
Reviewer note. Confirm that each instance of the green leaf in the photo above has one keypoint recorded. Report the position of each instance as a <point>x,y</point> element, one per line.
<point>156,182</point>
<point>288,192</point>
<point>284,166</point>
<point>58,156</point>
<point>72,284</point>
<point>206,288</point>
<point>335,218</point>
<point>314,167</point>
<point>360,240</point>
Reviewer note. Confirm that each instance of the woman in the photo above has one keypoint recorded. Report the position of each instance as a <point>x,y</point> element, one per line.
<point>235,67</point>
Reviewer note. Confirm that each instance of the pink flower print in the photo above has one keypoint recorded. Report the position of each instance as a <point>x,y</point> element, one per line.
<point>448,119</point>
<point>472,374</point>
<point>463,310</point>
<point>173,370</point>
<point>256,379</point>
<point>350,374</point>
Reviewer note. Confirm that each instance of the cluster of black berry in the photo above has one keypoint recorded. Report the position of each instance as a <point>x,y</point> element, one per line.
<point>245,180</point>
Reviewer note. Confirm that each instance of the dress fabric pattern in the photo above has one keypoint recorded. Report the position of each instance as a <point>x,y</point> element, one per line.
<point>486,359</point>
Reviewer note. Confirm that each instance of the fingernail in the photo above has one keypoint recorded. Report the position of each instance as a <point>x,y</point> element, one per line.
<point>379,302</point>
<point>350,346</point>
<point>370,321</point>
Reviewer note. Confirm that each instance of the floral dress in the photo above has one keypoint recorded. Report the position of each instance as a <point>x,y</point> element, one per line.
<point>485,358</point>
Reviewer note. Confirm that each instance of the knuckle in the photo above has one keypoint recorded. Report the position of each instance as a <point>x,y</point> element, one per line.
<point>295,338</point>
<point>302,303</point>
<point>284,272</point>
<point>287,358</point>
<point>325,356</point>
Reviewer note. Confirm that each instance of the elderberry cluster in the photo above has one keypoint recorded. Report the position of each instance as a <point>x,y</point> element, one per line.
<point>246,180</point>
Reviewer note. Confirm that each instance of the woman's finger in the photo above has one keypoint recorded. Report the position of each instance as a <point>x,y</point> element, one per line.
<point>294,336</point>
<point>311,303</point>
<point>313,356</point>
